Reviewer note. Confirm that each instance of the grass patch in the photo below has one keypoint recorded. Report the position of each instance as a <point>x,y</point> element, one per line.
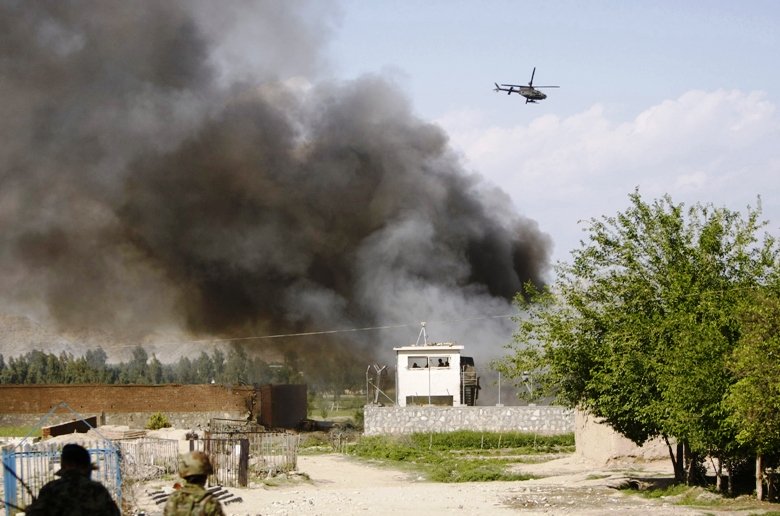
<point>701,497</point>
<point>462,456</point>
<point>519,442</point>
<point>19,431</point>
<point>664,492</point>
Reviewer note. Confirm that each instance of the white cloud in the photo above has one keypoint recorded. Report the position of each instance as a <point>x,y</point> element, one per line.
<point>718,146</point>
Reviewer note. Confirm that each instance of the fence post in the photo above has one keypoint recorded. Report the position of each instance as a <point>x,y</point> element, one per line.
<point>243,463</point>
<point>9,480</point>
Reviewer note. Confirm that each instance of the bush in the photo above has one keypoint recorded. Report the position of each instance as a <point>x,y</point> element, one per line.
<point>157,421</point>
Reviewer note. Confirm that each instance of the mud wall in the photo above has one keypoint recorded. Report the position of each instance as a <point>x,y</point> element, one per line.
<point>184,405</point>
<point>549,420</point>
<point>599,443</point>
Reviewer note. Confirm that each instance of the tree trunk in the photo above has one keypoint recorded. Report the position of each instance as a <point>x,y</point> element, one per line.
<point>759,477</point>
<point>730,471</point>
<point>679,475</point>
<point>692,460</point>
<point>718,475</point>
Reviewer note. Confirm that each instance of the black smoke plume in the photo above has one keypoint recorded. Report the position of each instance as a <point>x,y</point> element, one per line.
<point>176,166</point>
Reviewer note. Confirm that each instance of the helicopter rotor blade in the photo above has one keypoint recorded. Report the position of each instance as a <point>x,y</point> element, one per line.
<point>531,82</point>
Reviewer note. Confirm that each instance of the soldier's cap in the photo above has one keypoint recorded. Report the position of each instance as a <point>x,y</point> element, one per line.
<point>75,456</point>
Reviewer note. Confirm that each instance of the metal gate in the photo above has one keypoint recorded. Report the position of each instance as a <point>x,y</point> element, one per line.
<point>28,468</point>
<point>229,459</point>
<point>236,457</point>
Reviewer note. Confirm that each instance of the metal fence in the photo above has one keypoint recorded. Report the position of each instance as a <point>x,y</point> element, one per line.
<point>27,468</point>
<point>237,457</point>
<point>148,458</point>
<point>224,425</point>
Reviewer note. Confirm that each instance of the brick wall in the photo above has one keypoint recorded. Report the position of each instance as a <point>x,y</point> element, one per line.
<point>121,404</point>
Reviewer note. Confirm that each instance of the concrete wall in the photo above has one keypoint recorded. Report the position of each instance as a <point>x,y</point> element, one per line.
<point>406,420</point>
<point>599,443</point>
<point>184,405</point>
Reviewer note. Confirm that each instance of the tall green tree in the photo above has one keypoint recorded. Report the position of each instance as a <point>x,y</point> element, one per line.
<point>638,328</point>
<point>155,370</point>
<point>137,369</point>
<point>204,368</point>
<point>236,367</point>
<point>754,399</point>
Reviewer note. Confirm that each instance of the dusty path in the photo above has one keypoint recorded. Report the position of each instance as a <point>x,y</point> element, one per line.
<point>340,485</point>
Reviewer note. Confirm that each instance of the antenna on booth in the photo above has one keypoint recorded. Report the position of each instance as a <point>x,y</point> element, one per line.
<point>422,335</point>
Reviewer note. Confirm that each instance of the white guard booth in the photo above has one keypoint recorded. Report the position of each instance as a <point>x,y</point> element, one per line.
<point>429,375</point>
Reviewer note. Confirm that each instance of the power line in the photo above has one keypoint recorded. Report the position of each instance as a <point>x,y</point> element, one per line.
<point>320,332</point>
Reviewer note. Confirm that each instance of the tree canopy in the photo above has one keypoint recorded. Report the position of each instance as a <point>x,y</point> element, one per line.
<point>235,367</point>
<point>642,326</point>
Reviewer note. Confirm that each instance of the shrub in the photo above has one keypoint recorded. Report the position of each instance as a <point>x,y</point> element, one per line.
<point>157,420</point>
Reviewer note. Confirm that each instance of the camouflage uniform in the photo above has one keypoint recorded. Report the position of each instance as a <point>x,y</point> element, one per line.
<point>73,494</point>
<point>192,498</point>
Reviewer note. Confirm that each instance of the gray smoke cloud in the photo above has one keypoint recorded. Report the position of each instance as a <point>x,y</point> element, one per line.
<point>174,166</point>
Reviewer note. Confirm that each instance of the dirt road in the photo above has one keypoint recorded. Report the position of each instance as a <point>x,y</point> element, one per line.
<point>340,485</point>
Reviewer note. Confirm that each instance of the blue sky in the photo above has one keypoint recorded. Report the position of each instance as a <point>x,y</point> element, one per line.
<point>670,97</point>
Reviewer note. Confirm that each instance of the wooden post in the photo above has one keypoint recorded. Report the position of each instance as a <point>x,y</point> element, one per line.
<point>759,477</point>
<point>243,463</point>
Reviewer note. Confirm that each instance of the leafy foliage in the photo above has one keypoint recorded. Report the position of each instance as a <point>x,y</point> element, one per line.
<point>754,399</point>
<point>640,327</point>
<point>235,367</point>
<point>158,420</point>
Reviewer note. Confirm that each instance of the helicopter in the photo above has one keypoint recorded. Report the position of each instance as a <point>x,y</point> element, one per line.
<point>530,92</point>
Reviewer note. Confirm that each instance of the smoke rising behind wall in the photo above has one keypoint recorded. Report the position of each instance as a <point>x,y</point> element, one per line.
<point>173,166</point>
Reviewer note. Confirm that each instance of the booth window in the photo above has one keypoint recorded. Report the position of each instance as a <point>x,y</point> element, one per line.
<point>440,361</point>
<point>417,362</point>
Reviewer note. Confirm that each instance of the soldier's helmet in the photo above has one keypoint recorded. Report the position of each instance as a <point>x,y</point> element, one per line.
<point>75,456</point>
<point>194,463</point>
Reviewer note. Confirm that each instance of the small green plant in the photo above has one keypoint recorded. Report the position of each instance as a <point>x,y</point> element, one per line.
<point>358,417</point>
<point>323,409</point>
<point>157,420</point>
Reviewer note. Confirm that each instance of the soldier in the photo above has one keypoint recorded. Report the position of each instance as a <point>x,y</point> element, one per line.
<point>192,498</point>
<point>74,492</point>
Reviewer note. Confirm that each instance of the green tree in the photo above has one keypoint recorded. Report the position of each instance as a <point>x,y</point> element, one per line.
<point>184,372</point>
<point>218,361</point>
<point>204,368</point>
<point>155,370</point>
<point>754,399</point>
<point>236,367</point>
<point>637,329</point>
<point>137,369</point>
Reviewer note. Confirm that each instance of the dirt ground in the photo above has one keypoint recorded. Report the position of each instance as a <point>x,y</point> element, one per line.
<point>340,485</point>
